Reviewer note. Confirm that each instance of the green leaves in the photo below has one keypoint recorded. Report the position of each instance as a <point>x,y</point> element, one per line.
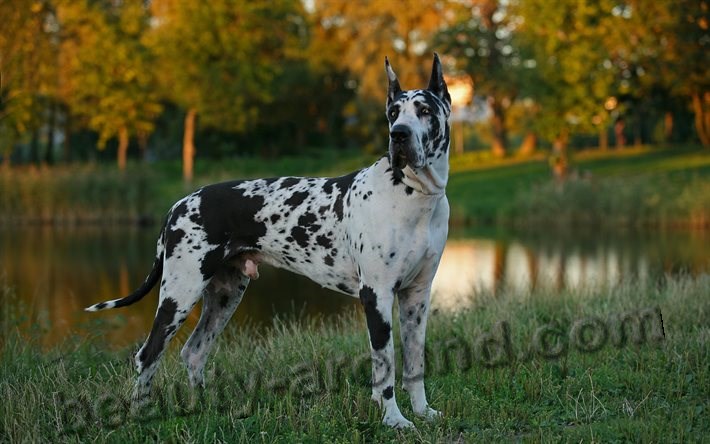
<point>219,57</point>
<point>107,74</point>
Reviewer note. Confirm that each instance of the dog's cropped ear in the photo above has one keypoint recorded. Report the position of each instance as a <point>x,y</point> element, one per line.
<point>393,88</point>
<point>437,85</point>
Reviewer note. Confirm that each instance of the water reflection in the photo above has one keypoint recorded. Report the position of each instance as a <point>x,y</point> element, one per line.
<point>471,266</point>
<point>56,273</point>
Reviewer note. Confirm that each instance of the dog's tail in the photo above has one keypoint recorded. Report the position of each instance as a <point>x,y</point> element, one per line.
<point>137,295</point>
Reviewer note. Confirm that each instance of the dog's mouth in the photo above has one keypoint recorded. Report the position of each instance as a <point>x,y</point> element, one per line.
<point>400,160</point>
<point>403,155</point>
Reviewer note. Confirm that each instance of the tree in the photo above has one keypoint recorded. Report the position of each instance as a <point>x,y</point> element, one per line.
<point>27,70</point>
<point>358,36</point>
<point>482,42</point>
<point>106,73</point>
<point>572,76</point>
<point>216,60</point>
<point>662,48</point>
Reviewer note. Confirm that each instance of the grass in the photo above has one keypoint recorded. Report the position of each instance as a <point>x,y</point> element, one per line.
<point>659,187</point>
<point>306,382</point>
<point>639,186</point>
<point>94,193</point>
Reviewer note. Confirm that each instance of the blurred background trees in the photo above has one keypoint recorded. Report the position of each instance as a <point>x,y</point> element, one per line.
<point>223,78</point>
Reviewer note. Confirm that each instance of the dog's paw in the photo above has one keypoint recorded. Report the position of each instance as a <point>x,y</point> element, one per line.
<point>429,414</point>
<point>398,421</point>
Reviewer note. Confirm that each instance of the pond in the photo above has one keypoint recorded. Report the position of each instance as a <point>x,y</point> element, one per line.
<point>55,273</point>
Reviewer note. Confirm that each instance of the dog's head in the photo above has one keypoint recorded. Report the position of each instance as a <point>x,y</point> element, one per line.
<point>418,120</point>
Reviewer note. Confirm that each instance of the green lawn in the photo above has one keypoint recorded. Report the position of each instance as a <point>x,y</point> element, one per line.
<point>637,186</point>
<point>647,182</point>
<point>309,383</point>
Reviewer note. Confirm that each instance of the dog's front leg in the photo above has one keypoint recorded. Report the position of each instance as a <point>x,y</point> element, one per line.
<point>377,302</point>
<point>413,314</point>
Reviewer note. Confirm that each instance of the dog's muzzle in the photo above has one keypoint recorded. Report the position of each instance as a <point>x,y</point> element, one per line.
<point>401,150</point>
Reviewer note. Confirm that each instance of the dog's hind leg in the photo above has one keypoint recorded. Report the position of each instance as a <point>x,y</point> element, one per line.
<point>179,292</point>
<point>223,295</point>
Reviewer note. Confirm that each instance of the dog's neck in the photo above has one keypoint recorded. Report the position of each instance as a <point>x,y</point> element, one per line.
<point>428,180</point>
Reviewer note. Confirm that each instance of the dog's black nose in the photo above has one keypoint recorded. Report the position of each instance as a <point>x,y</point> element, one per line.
<point>400,133</point>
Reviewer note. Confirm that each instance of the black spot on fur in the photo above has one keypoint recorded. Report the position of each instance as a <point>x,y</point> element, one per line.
<point>379,329</point>
<point>275,218</point>
<point>211,262</point>
<point>328,261</point>
<point>342,182</point>
<point>223,301</point>
<point>388,393</point>
<point>229,220</point>
<point>408,190</point>
<point>306,219</point>
<point>338,207</point>
<point>296,199</point>
<point>101,305</point>
<point>288,182</point>
<point>397,174</point>
<point>301,236</point>
<point>172,238</point>
<point>344,288</point>
<point>324,241</point>
<point>160,332</point>
<point>196,218</point>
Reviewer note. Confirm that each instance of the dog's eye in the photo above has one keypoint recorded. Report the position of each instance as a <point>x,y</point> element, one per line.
<point>425,111</point>
<point>393,114</point>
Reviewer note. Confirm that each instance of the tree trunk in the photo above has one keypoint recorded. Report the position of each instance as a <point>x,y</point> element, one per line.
<point>619,126</point>
<point>188,146</point>
<point>66,148</point>
<point>638,126</point>
<point>7,152</point>
<point>559,162</point>
<point>49,154</point>
<point>559,145</point>
<point>668,127</point>
<point>122,148</point>
<point>701,120</point>
<point>529,145</point>
<point>34,148</point>
<point>143,146</point>
<point>458,138</point>
<point>603,138</point>
<point>500,142</point>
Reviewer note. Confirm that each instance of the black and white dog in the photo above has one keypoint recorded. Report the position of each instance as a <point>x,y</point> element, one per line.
<point>374,234</point>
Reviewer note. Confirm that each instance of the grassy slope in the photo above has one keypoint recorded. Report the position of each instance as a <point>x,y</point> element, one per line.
<point>480,190</point>
<point>647,392</point>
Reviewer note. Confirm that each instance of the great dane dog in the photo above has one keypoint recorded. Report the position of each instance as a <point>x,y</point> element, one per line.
<point>375,234</point>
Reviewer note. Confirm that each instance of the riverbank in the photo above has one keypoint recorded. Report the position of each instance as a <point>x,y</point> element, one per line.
<point>634,188</point>
<point>564,366</point>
